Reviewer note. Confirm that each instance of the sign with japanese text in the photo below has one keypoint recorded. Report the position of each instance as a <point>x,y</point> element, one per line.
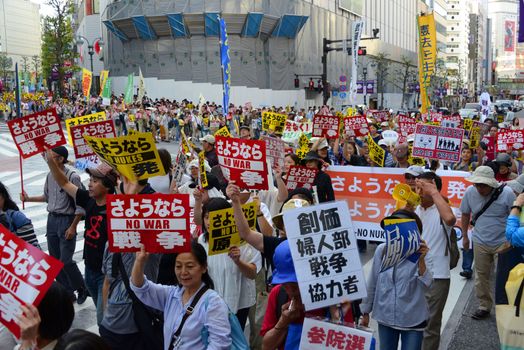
<point>133,156</point>
<point>303,142</point>
<point>467,124</point>
<point>275,150</point>
<point>379,116</point>
<point>180,166</point>
<point>223,131</point>
<point>86,119</point>
<point>490,143</point>
<point>368,192</point>
<point>450,121</point>
<point>243,161</point>
<point>202,169</point>
<point>325,126</point>
<point>273,122</point>
<point>415,160</point>
<point>35,131</point>
<point>102,129</point>
<point>402,242</point>
<point>318,334</point>
<point>376,153</point>
<point>223,231</point>
<point>158,221</point>
<point>474,137</point>
<point>406,126</point>
<point>435,117</point>
<point>300,177</point>
<point>484,128</point>
<point>435,142</point>
<point>87,80</point>
<point>510,139</point>
<point>293,129</point>
<point>325,254</point>
<point>26,273</point>
<point>356,126</point>
<point>427,54</point>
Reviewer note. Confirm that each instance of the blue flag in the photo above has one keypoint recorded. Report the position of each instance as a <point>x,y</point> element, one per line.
<point>226,64</point>
<point>402,242</point>
<point>521,22</point>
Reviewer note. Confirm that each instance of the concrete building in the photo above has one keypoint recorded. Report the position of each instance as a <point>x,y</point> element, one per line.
<point>479,47</point>
<point>88,25</point>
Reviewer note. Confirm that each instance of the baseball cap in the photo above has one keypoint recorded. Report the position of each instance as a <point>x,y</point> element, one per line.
<point>284,268</point>
<point>103,171</point>
<point>62,152</point>
<point>415,170</point>
<point>209,139</point>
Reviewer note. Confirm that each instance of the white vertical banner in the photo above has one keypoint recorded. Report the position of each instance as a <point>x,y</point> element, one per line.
<point>141,85</point>
<point>485,103</point>
<point>356,32</point>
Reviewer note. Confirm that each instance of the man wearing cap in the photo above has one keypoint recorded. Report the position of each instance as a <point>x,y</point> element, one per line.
<point>505,164</point>
<point>245,132</point>
<point>489,229</point>
<point>62,222</point>
<point>411,174</point>
<point>208,144</point>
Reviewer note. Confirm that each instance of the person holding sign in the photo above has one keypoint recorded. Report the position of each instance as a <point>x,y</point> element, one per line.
<point>208,144</point>
<point>322,181</point>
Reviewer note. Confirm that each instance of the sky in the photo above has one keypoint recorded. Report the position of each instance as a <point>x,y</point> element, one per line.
<point>44,9</point>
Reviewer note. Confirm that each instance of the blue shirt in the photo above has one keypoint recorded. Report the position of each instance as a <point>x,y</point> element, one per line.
<point>514,233</point>
<point>210,313</point>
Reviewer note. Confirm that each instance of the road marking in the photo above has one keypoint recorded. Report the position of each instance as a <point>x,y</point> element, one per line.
<point>26,177</point>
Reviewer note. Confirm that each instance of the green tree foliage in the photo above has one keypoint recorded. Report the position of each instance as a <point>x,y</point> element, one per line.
<point>6,65</point>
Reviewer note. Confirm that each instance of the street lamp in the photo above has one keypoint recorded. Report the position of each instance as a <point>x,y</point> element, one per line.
<point>80,39</point>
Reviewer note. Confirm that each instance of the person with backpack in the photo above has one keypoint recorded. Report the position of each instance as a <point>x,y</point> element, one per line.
<point>62,221</point>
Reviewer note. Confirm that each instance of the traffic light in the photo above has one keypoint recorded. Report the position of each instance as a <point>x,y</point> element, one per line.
<point>297,83</point>
<point>362,51</point>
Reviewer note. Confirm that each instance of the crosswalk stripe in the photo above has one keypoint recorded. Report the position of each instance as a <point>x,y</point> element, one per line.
<point>27,176</point>
<point>8,153</point>
<point>7,174</point>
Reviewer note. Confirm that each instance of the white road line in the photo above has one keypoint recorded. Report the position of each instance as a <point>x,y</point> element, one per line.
<point>8,153</point>
<point>7,174</point>
<point>26,177</point>
<point>8,143</point>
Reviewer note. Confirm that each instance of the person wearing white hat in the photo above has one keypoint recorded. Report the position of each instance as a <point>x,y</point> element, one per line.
<point>486,205</point>
<point>411,175</point>
<point>208,144</point>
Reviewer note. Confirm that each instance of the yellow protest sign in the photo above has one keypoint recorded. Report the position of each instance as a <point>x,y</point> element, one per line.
<point>132,118</point>
<point>133,156</point>
<point>376,153</point>
<point>223,231</point>
<point>86,119</point>
<point>474,137</point>
<point>202,169</point>
<point>351,111</point>
<point>301,153</point>
<point>500,118</point>
<point>274,122</point>
<point>468,124</point>
<point>303,142</point>
<point>223,131</point>
<point>415,160</point>
<point>104,74</point>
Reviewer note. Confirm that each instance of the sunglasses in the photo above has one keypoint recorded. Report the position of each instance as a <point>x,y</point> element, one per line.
<point>409,177</point>
<point>480,185</point>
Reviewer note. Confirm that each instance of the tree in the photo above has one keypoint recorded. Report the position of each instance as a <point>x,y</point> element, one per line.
<point>405,72</point>
<point>58,40</point>
<point>25,64</point>
<point>6,64</point>
<point>382,65</point>
<point>36,65</point>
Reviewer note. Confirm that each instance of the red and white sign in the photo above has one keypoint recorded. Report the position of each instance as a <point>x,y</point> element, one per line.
<point>510,139</point>
<point>32,132</point>
<point>243,161</point>
<point>435,142</point>
<point>490,142</point>
<point>104,129</point>
<point>435,117</point>
<point>26,273</point>
<point>450,121</point>
<point>300,176</point>
<point>356,126</point>
<point>158,221</point>
<point>321,335</point>
<point>275,150</point>
<point>292,126</point>
<point>406,126</point>
<point>325,126</point>
<point>379,116</point>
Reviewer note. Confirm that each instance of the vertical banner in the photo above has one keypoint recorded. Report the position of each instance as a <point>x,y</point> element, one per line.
<point>356,32</point>
<point>106,93</point>
<point>509,36</point>
<point>141,85</point>
<point>485,103</point>
<point>128,94</point>
<point>521,21</point>
<point>226,64</point>
<point>104,74</point>
<point>87,80</point>
<point>427,56</point>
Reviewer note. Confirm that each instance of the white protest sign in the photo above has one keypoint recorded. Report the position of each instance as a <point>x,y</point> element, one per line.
<point>390,136</point>
<point>321,335</point>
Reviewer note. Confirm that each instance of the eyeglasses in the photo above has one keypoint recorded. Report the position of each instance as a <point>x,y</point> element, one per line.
<point>409,177</point>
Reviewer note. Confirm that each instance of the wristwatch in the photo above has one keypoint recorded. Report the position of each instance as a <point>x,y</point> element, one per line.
<point>517,207</point>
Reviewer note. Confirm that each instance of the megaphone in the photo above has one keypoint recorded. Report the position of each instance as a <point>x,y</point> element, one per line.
<point>403,195</point>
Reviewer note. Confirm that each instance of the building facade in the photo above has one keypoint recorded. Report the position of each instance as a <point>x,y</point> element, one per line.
<point>87,25</point>
<point>457,46</point>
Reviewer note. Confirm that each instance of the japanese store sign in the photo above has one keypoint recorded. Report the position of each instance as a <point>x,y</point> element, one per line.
<point>368,192</point>
<point>321,335</point>
<point>223,231</point>
<point>26,273</point>
<point>275,150</point>
<point>86,119</point>
<point>356,126</point>
<point>436,142</point>
<point>102,129</point>
<point>325,126</point>
<point>402,242</point>
<point>273,122</point>
<point>32,132</point>
<point>134,156</point>
<point>158,221</point>
<point>300,176</point>
<point>325,254</point>
<point>243,161</point>
<point>510,138</point>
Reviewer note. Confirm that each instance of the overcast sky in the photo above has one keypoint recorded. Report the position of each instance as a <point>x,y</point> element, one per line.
<point>44,9</point>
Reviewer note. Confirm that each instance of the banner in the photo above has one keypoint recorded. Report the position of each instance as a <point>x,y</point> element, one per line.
<point>325,126</point>
<point>158,221</point>
<point>202,175</point>
<point>509,36</point>
<point>356,126</point>
<point>86,119</point>
<point>87,80</point>
<point>26,273</point>
<point>35,131</point>
<point>379,116</point>
<point>521,22</point>
<point>427,57</point>
<point>141,85</point>
<point>275,151</point>
<point>128,94</point>
<point>321,335</point>
<point>325,254</point>
<point>356,32</point>
<point>510,139</point>
<point>368,192</point>
<point>485,103</point>
<point>223,231</point>
<point>243,161</point>
<point>300,177</point>
<point>402,242</point>
<point>273,122</point>
<point>133,156</point>
<point>104,74</point>
<point>84,153</point>
<point>435,142</point>
<point>376,153</point>
<point>370,87</point>
<point>226,65</point>
<point>106,93</point>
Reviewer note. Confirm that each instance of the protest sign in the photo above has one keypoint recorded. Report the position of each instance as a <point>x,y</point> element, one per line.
<point>390,137</point>
<point>376,153</point>
<point>368,192</point>
<point>102,129</point>
<point>223,231</point>
<point>273,122</point>
<point>356,126</point>
<point>450,121</point>
<point>158,221</point>
<point>436,142</point>
<point>510,139</point>
<point>402,242</point>
<point>325,254</point>
<point>320,335</point>
<point>301,152</point>
<point>406,127</point>
<point>35,131</point>
<point>379,116</point>
<point>325,126</point>
<point>86,119</point>
<point>223,131</point>
<point>489,141</point>
<point>415,160</point>
<point>300,176</point>
<point>180,166</point>
<point>26,273</point>
<point>275,151</point>
<point>467,124</point>
<point>474,137</point>
<point>435,117</point>
<point>133,156</point>
<point>243,161</point>
<point>303,142</point>
<point>202,169</point>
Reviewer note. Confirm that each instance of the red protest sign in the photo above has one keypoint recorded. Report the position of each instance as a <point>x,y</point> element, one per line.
<point>275,150</point>
<point>325,126</point>
<point>322,335</point>
<point>26,273</point>
<point>436,142</point>
<point>510,139</point>
<point>158,221</point>
<point>292,126</point>
<point>435,117</point>
<point>32,132</point>
<point>406,127</point>
<point>379,116</point>
<point>300,176</point>
<point>490,145</point>
<point>104,129</point>
<point>356,126</point>
<point>243,161</point>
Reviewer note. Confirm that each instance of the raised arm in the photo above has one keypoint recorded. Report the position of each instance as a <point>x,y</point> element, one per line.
<point>59,175</point>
